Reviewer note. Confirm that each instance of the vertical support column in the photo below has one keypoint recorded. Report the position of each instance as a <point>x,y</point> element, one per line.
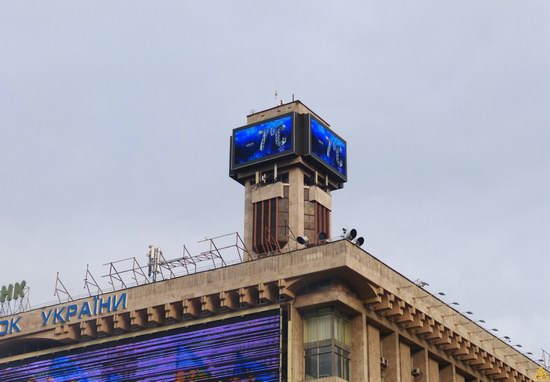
<point>405,358</point>
<point>359,357</point>
<point>373,335</point>
<point>248,218</point>
<point>448,374</point>
<point>420,361</point>
<point>295,346</point>
<point>296,203</point>
<point>390,347</point>
<point>433,370</point>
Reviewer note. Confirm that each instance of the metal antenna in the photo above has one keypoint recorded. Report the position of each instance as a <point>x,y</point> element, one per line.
<point>545,359</point>
<point>153,265</point>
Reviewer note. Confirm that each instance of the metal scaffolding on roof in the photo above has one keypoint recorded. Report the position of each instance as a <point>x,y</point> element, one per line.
<point>122,272</point>
<point>61,291</point>
<point>221,251</point>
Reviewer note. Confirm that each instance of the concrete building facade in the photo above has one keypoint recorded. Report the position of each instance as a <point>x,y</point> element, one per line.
<point>292,310</point>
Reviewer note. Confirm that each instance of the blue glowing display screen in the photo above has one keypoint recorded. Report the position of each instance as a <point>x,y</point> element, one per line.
<point>263,141</point>
<point>247,350</point>
<point>328,147</point>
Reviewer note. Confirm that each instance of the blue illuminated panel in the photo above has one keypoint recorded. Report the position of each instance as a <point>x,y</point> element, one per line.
<point>328,148</point>
<point>266,140</point>
<point>243,350</point>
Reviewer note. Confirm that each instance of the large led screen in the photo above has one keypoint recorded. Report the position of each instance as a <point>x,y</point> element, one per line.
<point>243,349</point>
<point>328,148</point>
<point>266,140</point>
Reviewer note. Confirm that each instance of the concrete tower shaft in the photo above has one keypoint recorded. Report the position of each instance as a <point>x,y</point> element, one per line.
<point>288,191</point>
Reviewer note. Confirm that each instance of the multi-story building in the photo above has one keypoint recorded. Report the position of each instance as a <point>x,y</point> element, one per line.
<point>299,306</point>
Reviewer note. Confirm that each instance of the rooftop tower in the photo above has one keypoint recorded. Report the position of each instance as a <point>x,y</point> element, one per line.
<point>289,161</point>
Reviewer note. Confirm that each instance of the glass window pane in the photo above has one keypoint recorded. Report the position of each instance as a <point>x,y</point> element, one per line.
<point>344,372</point>
<point>338,367</point>
<point>325,365</point>
<point>317,328</point>
<point>347,375</point>
<point>326,334</point>
<point>342,330</point>
<point>311,367</point>
<point>324,328</point>
<point>338,329</point>
<point>309,327</point>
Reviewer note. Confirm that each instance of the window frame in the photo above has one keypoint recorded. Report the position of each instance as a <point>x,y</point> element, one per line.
<point>340,351</point>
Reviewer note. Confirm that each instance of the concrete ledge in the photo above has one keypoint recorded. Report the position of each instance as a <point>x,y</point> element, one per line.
<point>318,195</point>
<point>329,298</point>
<point>270,191</point>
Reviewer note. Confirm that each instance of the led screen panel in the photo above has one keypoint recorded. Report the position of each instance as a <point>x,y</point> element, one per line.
<point>263,141</point>
<point>243,349</point>
<point>328,148</point>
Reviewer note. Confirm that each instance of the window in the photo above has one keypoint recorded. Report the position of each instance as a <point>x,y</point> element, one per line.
<point>284,177</point>
<point>327,340</point>
<point>342,363</point>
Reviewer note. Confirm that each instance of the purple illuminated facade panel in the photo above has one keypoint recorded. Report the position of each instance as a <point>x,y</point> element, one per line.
<point>245,349</point>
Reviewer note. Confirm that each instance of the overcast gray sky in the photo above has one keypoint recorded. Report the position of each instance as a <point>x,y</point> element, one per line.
<point>115,118</point>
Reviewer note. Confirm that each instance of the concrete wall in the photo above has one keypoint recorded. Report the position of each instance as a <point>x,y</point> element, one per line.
<point>378,321</point>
